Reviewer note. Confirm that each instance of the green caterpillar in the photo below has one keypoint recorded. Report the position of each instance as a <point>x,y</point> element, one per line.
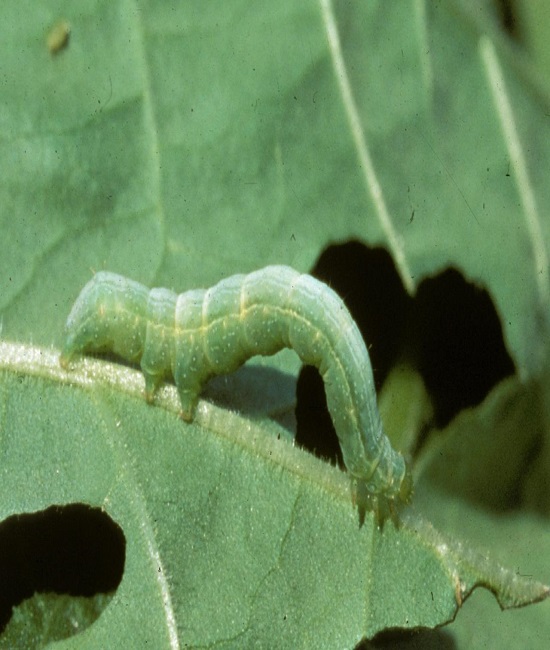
<point>201,333</point>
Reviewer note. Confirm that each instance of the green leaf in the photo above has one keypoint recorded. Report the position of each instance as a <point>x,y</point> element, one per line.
<point>221,512</point>
<point>180,143</point>
<point>467,477</point>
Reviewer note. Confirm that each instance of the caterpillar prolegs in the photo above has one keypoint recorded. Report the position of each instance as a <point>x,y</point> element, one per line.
<point>201,333</point>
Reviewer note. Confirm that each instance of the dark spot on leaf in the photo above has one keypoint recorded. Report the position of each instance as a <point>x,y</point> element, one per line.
<point>507,16</point>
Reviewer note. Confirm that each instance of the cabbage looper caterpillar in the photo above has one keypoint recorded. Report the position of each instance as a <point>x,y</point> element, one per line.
<point>201,333</point>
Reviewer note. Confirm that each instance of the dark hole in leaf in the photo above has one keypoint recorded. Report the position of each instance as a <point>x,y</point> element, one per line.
<point>71,549</point>
<point>460,347</point>
<point>412,639</point>
<point>449,331</point>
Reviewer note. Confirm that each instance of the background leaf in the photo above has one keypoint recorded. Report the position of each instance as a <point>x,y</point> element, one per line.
<point>180,144</point>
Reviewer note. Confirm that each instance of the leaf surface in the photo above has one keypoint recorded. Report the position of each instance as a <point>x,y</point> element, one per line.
<point>178,144</point>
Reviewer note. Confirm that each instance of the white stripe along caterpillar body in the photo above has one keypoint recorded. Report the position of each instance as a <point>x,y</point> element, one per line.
<point>201,333</point>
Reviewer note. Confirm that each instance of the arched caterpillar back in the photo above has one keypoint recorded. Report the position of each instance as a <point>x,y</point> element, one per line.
<point>201,333</point>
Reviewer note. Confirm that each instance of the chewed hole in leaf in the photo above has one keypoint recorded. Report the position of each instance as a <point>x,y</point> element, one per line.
<point>449,332</point>
<point>460,346</point>
<point>74,552</point>
<point>411,639</point>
